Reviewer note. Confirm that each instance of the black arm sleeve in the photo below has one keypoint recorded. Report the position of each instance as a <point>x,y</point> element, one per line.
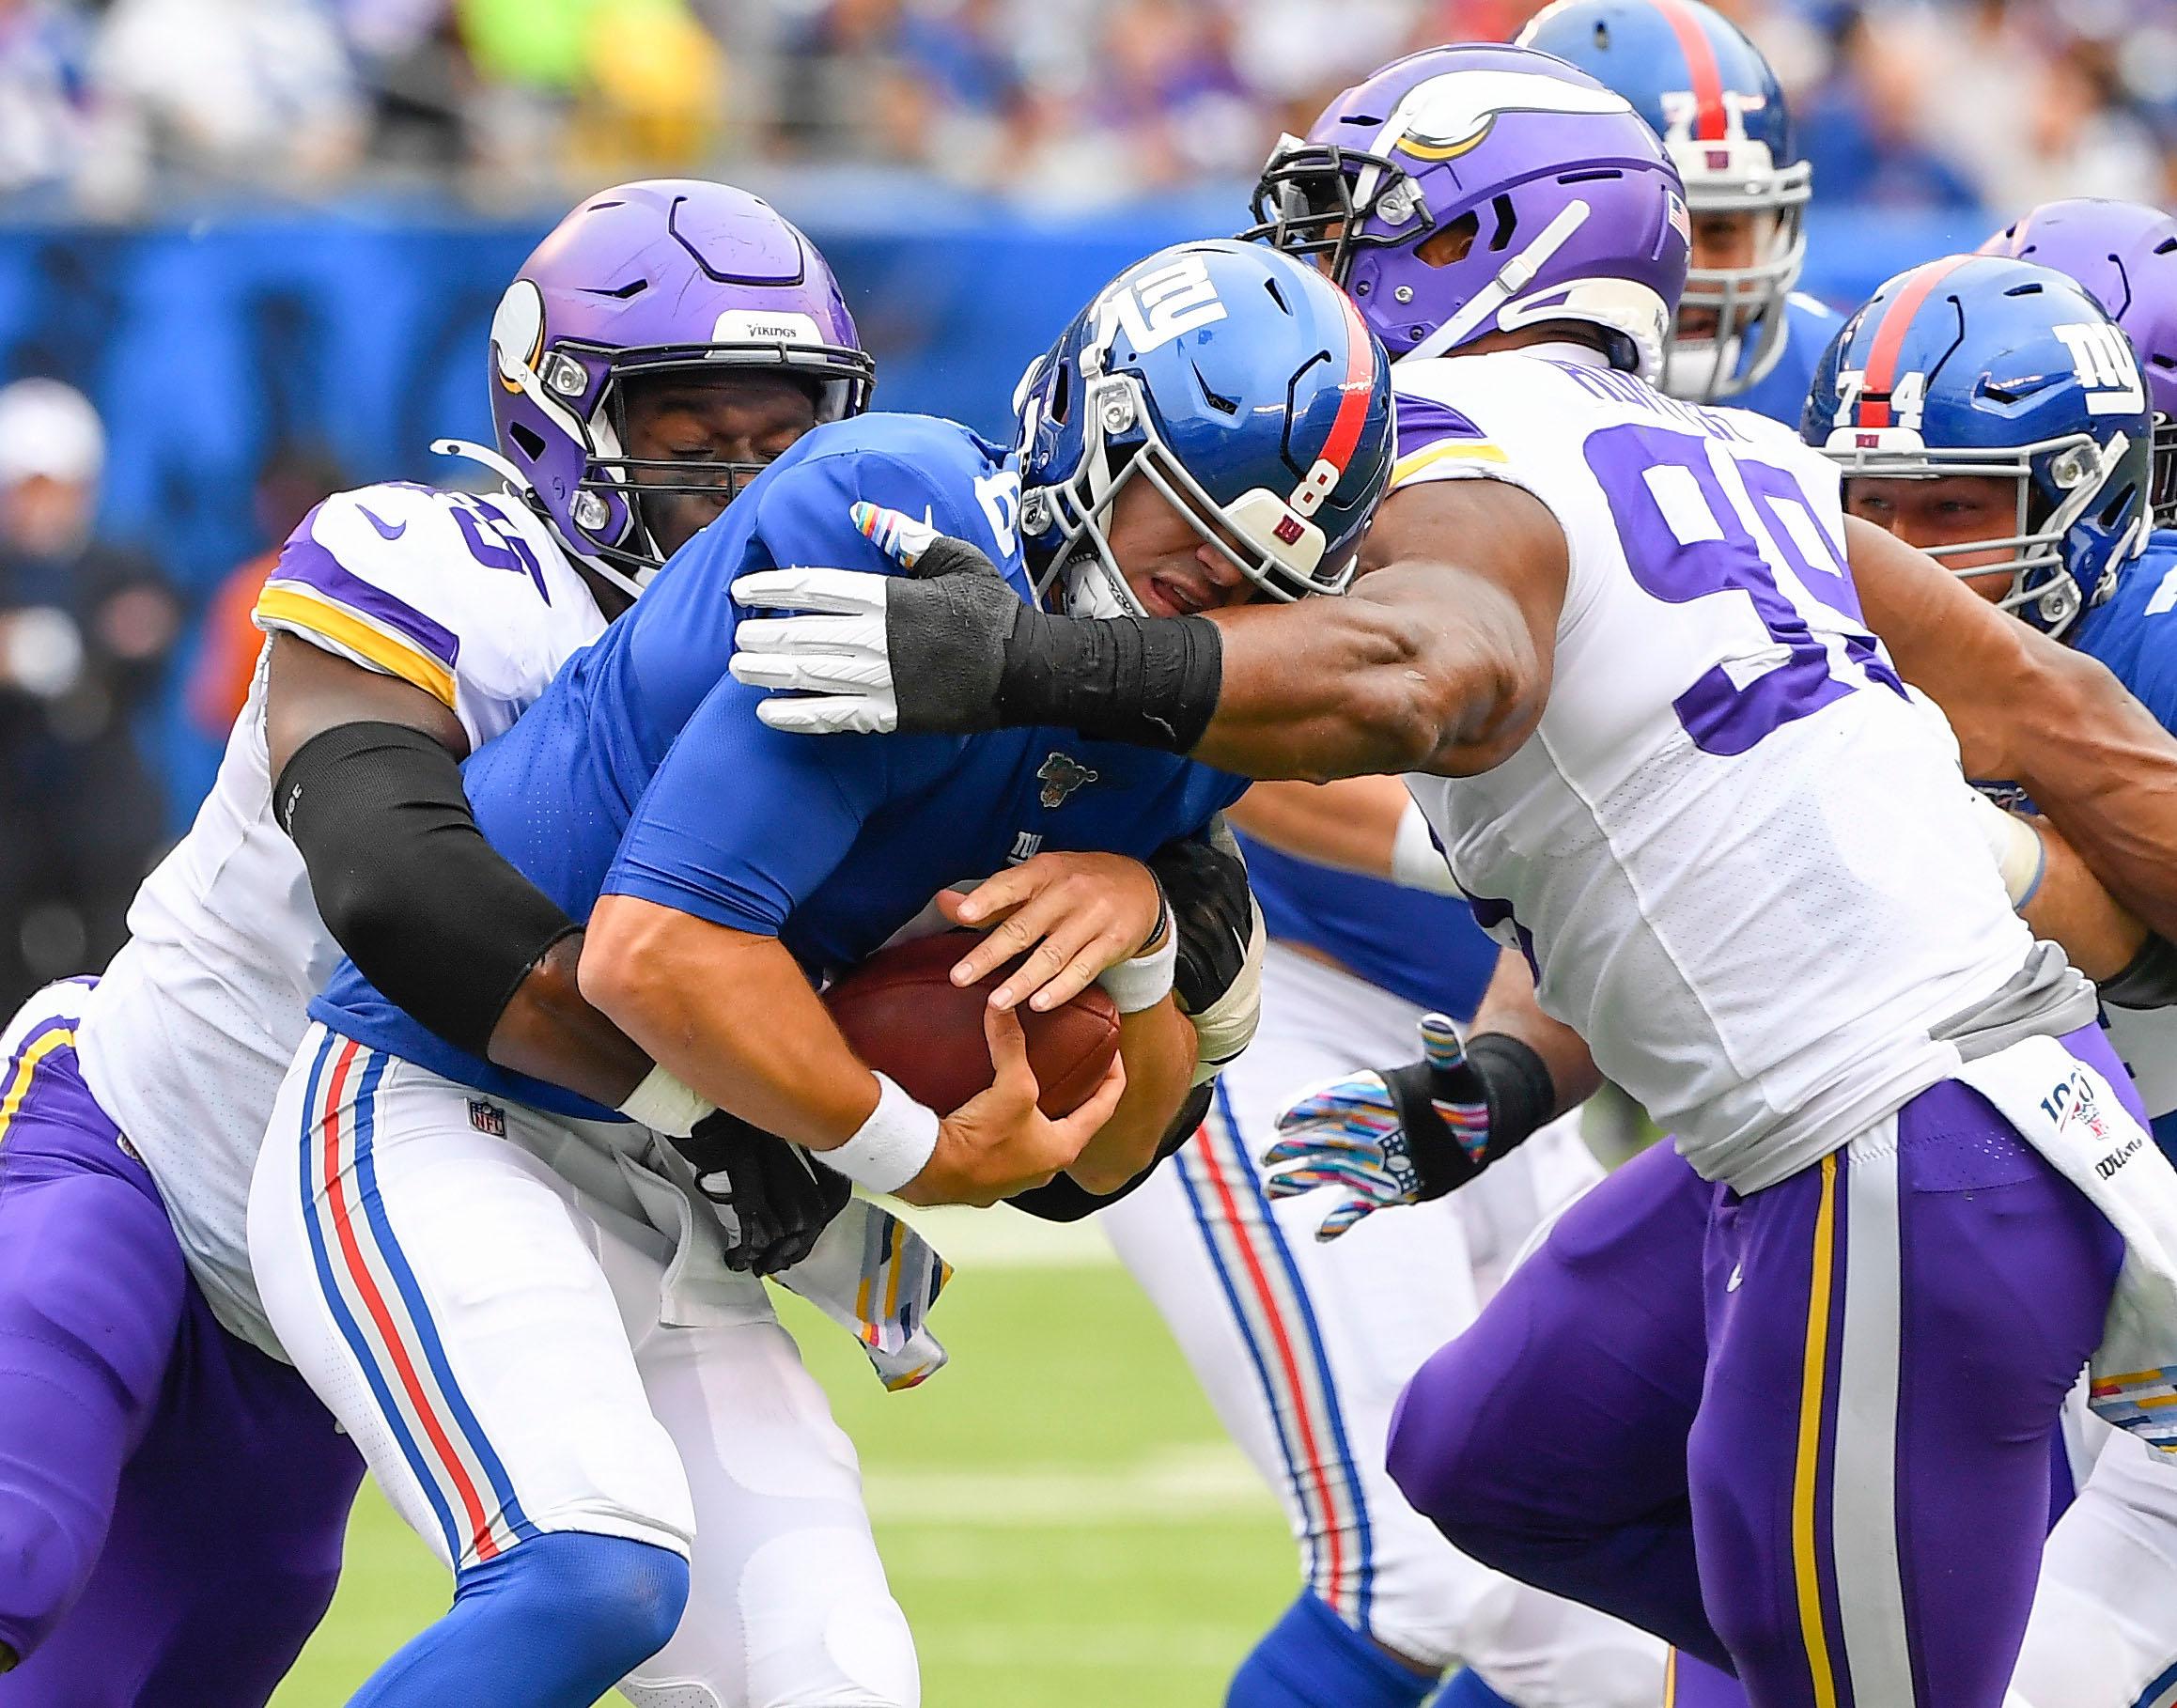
<point>1062,1199</point>
<point>405,883</point>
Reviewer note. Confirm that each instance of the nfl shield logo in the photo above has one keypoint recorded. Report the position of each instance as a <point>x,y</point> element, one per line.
<point>487,1117</point>
<point>1061,775</point>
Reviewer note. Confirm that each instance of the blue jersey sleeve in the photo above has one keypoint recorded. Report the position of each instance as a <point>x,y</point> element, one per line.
<point>741,822</point>
<point>2134,632</point>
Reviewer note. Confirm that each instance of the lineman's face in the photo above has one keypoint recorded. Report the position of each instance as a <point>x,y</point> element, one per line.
<point>1169,566</point>
<point>1722,242</point>
<point>1949,511</point>
<point>712,418</point>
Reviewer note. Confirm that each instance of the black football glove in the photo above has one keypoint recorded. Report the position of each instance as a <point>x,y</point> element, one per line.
<point>773,1198</point>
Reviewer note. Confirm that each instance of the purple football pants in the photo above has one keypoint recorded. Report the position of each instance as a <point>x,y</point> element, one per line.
<point>172,1500</point>
<point>1804,1435</point>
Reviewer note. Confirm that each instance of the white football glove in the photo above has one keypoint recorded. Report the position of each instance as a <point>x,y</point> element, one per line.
<point>834,649</point>
<point>833,653</point>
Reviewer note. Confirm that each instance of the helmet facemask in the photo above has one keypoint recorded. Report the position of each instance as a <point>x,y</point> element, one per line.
<point>2164,489</point>
<point>2059,483</point>
<point>581,387</point>
<point>1120,443</point>
<point>838,379</point>
<point>1314,200</point>
<point>1749,301</point>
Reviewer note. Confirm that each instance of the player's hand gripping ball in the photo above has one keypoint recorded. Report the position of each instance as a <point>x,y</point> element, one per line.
<point>904,1015</point>
<point>1386,1136</point>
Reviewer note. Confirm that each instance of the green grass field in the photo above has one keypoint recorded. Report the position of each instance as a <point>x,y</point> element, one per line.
<point>1062,1517</point>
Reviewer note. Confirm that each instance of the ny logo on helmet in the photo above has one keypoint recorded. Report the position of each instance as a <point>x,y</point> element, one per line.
<point>1159,306</point>
<point>2102,360</point>
<point>1061,775</point>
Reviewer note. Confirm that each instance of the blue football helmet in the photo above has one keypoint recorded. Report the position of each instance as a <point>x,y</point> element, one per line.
<point>1986,366</point>
<point>1238,382</point>
<point>1707,92</point>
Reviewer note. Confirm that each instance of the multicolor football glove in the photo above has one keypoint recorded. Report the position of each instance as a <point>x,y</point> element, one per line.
<point>1386,1136</point>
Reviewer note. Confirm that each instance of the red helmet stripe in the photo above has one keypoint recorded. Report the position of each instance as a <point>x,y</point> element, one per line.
<point>1881,375</point>
<point>1355,392</point>
<point>1709,121</point>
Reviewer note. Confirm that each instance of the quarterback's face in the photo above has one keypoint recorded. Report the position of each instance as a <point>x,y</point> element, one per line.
<point>1949,511</point>
<point>702,420</point>
<point>1170,567</point>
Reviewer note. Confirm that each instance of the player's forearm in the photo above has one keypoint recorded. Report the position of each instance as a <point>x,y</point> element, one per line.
<point>2105,773</point>
<point>1509,1006</point>
<point>2071,908</point>
<point>1381,681</point>
<point>1156,1047</point>
<point>2031,710</point>
<point>730,1013</point>
<point>1351,825</point>
<point>550,1032</point>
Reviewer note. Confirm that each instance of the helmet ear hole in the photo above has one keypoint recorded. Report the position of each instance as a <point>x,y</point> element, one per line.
<point>1450,246</point>
<point>528,441</point>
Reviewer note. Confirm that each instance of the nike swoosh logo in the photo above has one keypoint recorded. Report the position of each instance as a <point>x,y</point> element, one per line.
<point>1737,1275</point>
<point>385,531</point>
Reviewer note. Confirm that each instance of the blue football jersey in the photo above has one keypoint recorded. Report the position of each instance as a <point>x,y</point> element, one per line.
<point>1425,948</point>
<point>645,771</point>
<point>1782,392</point>
<point>2134,632</point>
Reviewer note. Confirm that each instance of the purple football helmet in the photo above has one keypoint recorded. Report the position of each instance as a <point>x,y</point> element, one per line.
<point>2125,254</point>
<point>1470,190</point>
<point>646,278</point>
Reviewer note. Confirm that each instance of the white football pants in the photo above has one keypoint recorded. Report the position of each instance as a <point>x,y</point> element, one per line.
<point>489,1334</point>
<point>1303,1348</point>
<point>2104,1631</point>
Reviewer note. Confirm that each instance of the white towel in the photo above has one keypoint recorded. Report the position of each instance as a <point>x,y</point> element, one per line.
<point>870,1272</point>
<point>2073,1116</point>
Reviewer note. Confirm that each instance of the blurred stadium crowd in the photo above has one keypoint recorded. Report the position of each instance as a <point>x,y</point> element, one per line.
<point>105,107</point>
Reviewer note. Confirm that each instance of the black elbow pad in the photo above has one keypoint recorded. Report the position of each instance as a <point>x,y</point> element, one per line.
<point>429,911</point>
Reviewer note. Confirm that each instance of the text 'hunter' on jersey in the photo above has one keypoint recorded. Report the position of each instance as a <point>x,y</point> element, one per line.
<point>645,771</point>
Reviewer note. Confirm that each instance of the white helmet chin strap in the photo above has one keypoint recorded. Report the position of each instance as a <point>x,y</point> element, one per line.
<point>630,582</point>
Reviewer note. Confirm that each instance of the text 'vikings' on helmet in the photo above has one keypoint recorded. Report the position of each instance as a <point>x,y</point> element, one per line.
<point>1978,365</point>
<point>1471,189</point>
<point>2125,254</point>
<point>1241,385</point>
<point>1708,93</point>
<point>662,277</point>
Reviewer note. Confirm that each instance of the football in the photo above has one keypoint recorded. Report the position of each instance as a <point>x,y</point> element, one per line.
<point>905,1018</point>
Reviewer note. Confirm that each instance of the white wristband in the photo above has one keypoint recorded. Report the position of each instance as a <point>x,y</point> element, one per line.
<point>1146,980</point>
<point>1416,861</point>
<point>889,1148</point>
<point>664,1105</point>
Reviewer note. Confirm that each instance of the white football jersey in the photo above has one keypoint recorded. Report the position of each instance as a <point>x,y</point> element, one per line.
<point>1743,863</point>
<point>191,1029</point>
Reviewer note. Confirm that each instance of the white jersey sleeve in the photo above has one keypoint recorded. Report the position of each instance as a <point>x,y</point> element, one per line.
<point>188,1035</point>
<point>1744,864</point>
<point>464,596</point>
